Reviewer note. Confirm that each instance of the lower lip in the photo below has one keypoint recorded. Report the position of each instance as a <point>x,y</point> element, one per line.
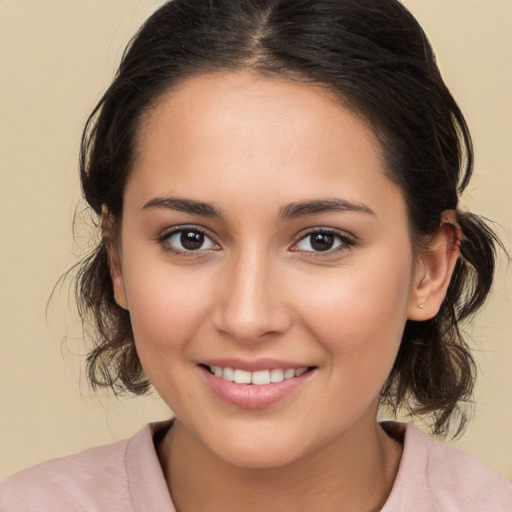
<point>251,396</point>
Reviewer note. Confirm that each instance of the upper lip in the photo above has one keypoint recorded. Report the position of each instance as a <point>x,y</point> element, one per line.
<point>254,365</point>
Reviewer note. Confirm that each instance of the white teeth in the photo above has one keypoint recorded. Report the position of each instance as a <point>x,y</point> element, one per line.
<point>242,377</point>
<point>228,374</point>
<point>258,378</point>
<point>289,373</point>
<point>276,375</point>
<point>261,377</point>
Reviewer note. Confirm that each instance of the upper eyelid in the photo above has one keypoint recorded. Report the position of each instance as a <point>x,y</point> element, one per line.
<point>182,227</point>
<point>324,229</point>
<point>163,240</point>
<point>166,233</point>
<point>348,241</point>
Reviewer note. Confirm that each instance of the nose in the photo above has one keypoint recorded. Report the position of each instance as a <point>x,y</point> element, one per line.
<point>251,305</point>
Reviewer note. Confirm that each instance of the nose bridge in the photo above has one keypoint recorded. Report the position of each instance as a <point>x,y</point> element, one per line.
<point>251,304</point>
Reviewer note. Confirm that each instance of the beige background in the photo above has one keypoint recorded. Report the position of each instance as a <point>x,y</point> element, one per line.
<point>56,59</point>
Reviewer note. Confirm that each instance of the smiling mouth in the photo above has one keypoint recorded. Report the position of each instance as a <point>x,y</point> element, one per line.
<point>258,378</point>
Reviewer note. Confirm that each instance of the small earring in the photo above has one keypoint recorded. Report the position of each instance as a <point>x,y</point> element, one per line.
<point>420,306</point>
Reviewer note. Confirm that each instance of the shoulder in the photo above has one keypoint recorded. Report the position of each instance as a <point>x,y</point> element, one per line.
<point>96,479</point>
<point>446,478</point>
<point>462,477</point>
<point>66,483</point>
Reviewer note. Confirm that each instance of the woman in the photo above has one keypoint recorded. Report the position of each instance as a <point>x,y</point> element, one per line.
<point>282,252</point>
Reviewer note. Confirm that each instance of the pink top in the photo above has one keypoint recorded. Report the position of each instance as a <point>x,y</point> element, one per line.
<point>126,477</point>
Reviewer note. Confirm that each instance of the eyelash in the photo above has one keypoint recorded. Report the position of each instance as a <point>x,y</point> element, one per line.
<point>345,242</point>
<point>164,240</point>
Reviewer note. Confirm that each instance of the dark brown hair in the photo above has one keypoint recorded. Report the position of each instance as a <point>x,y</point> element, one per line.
<point>375,57</point>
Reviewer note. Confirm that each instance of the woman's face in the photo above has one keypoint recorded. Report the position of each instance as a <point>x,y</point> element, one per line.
<point>261,234</point>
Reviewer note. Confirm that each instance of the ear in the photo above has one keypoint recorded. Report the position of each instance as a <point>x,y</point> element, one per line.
<point>112,244</point>
<point>434,269</point>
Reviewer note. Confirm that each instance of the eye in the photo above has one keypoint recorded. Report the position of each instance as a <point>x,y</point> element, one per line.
<point>185,240</point>
<point>323,240</point>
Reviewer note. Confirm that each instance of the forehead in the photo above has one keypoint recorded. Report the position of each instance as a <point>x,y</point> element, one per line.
<point>223,130</point>
<point>244,103</point>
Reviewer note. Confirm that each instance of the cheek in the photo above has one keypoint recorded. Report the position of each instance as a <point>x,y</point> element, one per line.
<point>167,306</point>
<point>360,329</point>
<point>169,310</point>
<point>358,313</point>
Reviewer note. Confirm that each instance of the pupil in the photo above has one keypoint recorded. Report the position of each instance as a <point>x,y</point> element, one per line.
<point>192,240</point>
<point>322,241</point>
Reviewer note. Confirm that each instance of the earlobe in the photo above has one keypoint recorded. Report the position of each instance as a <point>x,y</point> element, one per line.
<point>434,269</point>
<point>111,243</point>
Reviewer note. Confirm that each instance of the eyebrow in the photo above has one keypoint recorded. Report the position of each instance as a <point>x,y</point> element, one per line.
<point>289,211</point>
<point>304,208</point>
<point>184,205</point>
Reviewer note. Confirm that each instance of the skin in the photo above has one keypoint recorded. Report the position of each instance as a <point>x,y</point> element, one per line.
<point>249,146</point>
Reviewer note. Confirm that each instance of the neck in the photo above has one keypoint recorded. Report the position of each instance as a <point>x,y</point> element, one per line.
<point>352,473</point>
